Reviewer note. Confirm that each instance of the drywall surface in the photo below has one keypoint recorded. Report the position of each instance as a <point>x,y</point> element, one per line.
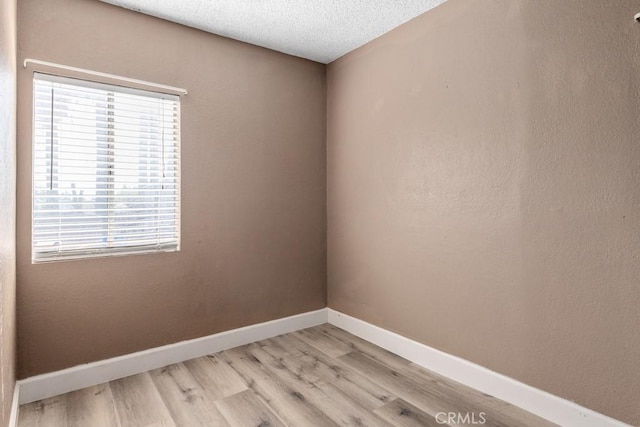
<point>253,191</point>
<point>483,181</point>
<point>7,206</point>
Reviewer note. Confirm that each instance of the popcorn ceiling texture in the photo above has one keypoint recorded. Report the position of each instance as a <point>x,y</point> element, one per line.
<point>320,30</point>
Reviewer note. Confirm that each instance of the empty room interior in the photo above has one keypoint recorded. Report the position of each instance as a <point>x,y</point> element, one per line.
<point>264,213</point>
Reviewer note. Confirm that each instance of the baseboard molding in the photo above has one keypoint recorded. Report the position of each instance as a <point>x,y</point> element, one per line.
<point>78,377</point>
<point>546,405</point>
<point>15,407</point>
<point>541,403</point>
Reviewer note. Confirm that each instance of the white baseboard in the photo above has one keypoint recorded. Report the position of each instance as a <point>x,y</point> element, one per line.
<point>78,377</point>
<point>546,405</point>
<point>541,403</point>
<point>15,407</point>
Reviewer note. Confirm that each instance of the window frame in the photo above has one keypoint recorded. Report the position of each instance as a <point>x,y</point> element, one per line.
<point>108,251</point>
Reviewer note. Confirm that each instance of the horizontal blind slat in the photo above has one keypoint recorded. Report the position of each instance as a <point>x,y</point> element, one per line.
<point>129,237</point>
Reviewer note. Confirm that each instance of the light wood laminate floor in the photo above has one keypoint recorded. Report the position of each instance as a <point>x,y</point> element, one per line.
<point>322,376</point>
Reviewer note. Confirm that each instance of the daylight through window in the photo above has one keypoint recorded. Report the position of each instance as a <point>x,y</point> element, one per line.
<point>106,170</point>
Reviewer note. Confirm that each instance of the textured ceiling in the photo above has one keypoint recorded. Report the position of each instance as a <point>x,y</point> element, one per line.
<point>320,30</point>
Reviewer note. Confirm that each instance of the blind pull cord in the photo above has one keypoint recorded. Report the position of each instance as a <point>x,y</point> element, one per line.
<point>51,141</point>
<point>163,124</point>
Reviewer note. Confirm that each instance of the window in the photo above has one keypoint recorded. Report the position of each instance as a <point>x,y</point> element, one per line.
<point>106,170</point>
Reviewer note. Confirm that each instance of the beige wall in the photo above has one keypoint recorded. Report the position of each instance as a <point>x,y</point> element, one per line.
<point>484,190</point>
<point>7,205</point>
<point>253,191</point>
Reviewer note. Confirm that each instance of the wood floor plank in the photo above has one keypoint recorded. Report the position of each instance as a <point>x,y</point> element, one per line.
<point>331,401</point>
<point>49,412</point>
<point>329,345</point>
<point>507,411</point>
<point>92,406</point>
<point>188,402</point>
<point>403,414</point>
<point>474,397</point>
<point>390,379</point>
<point>322,376</point>
<point>432,398</point>
<point>288,402</point>
<point>247,409</point>
<point>358,344</point>
<point>356,386</point>
<point>138,402</point>
<point>216,376</point>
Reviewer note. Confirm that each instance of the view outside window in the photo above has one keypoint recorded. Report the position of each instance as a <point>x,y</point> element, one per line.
<point>105,170</point>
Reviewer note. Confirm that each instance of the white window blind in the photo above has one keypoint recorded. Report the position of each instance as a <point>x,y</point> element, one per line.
<point>106,170</point>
